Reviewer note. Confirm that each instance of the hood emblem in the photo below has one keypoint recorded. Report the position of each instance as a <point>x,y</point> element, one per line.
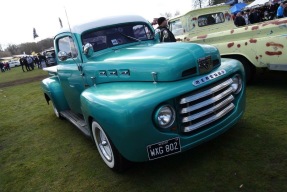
<point>205,64</point>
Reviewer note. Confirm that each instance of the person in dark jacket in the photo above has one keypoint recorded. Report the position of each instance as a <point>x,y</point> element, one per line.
<point>239,20</point>
<point>165,34</point>
<point>22,64</point>
<point>254,16</point>
<point>26,64</point>
<point>2,67</point>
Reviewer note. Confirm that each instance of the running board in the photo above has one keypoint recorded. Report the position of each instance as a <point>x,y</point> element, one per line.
<point>78,121</point>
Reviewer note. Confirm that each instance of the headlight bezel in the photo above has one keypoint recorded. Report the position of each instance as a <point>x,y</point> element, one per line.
<point>237,83</point>
<point>160,112</point>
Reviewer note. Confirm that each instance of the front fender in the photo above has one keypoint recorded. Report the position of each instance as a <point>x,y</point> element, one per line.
<point>53,91</point>
<point>125,111</point>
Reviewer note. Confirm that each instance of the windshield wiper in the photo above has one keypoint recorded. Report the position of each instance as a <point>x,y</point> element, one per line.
<point>130,37</point>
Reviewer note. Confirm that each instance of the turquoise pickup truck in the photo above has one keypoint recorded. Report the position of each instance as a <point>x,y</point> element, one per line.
<point>139,99</point>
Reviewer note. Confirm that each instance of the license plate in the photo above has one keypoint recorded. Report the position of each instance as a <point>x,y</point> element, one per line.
<point>163,148</point>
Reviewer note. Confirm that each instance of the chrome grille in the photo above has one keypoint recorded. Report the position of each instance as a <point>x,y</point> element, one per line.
<point>206,106</point>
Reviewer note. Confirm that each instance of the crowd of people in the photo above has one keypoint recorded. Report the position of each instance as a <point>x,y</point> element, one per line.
<point>4,66</point>
<point>28,63</point>
<point>260,14</point>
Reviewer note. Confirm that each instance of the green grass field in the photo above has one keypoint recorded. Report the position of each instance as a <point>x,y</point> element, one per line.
<point>16,74</point>
<point>39,152</point>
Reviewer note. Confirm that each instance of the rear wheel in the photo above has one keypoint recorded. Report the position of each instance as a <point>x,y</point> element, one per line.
<point>249,69</point>
<point>109,154</point>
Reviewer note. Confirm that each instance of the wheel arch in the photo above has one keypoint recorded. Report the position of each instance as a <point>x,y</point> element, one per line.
<point>53,92</point>
<point>250,69</point>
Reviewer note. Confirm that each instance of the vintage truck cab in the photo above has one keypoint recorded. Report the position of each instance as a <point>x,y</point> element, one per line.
<point>139,99</point>
<point>259,45</point>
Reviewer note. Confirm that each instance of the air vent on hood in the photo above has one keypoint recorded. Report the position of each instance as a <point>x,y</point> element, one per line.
<point>188,72</point>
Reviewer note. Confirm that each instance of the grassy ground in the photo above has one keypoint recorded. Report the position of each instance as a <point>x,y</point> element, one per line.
<point>16,74</point>
<point>41,153</point>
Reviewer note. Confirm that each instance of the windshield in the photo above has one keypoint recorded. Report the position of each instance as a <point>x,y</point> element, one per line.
<point>117,35</point>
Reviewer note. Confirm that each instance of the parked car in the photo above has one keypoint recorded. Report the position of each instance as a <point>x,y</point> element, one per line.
<point>14,63</point>
<point>50,57</point>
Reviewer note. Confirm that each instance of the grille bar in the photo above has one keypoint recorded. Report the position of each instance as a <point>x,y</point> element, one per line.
<point>209,110</point>
<point>207,102</point>
<point>210,119</point>
<point>206,92</point>
<point>202,107</point>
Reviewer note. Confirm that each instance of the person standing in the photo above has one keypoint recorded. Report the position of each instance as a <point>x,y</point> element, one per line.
<point>30,62</point>
<point>24,59</point>
<point>285,10</point>
<point>254,16</point>
<point>245,16</point>
<point>280,11</point>
<point>22,64</point>
<point>165,34</point>
<point>2,67</point>
<point>37,62</point>
<point>239,20</point>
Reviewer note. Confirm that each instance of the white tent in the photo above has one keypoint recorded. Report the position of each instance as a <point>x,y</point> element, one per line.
<point>257,2</point>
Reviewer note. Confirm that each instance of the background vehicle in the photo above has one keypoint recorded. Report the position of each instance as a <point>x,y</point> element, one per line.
<point>13,63</point>
<point>50,57</point>
<point>259,45</point>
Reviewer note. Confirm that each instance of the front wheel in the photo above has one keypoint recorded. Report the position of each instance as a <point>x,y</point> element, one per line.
<point>110,155</point>
<point>57,113</point>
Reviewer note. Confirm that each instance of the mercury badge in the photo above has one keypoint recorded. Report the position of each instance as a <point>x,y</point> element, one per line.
<point>204,64</point>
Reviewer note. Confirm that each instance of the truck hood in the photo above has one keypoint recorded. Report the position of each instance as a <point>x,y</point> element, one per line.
<point>149,62</point>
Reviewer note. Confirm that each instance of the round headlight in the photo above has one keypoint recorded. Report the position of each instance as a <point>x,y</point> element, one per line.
<point>165,116</point>
<point>237,84</point>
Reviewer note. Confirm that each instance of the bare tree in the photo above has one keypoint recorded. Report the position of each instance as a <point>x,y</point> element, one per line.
<point>198,3</point>
<point>176,13</point>
<point>167,15</point>
<point>5,54</point>
<point>13,49</point>
<point>28,48</point>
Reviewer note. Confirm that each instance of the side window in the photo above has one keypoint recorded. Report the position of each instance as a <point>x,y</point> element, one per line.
<point>210,19</point>
<point>176,28</point>
<point>141,32</point>
<point>67,44</point>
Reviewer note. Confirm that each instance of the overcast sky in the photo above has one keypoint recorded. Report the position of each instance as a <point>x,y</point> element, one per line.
<point>19,17</point>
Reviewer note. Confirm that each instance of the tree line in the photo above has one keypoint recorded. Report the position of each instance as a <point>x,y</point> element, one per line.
<point>195,4</point>
<point>27,48</point>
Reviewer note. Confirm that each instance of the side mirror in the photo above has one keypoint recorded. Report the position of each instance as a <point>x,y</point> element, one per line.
<point>62,55</point>
<point>88,49</point>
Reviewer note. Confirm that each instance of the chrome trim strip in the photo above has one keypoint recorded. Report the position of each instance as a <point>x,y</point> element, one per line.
<point>206,92</point>
<point>207,102</point>
<point>208,111</point>
<point>209,120</point>
<point>208,77</point>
